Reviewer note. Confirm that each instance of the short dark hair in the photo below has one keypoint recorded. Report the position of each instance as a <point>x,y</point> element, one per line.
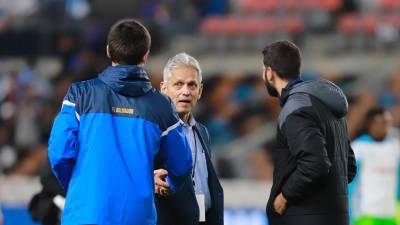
<point>128,41</point>
<point>284,58</point>
<point>373,112</point>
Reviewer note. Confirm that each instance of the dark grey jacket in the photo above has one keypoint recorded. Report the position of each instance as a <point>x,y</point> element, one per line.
<point>181,208</point>
<point>314,161</point>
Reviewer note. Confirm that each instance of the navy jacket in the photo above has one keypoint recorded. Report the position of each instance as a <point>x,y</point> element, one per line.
<point>181,208</point>
<point>103,144</point>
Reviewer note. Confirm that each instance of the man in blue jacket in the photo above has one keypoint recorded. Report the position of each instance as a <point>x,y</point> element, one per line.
<point>104,140</point>
<point>199,202</point>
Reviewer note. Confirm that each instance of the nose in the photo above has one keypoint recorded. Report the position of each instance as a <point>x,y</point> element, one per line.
<point>185,90</point>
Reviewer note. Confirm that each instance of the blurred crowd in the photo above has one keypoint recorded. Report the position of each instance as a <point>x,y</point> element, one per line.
<point>233,106</point>
<point>62,41</point>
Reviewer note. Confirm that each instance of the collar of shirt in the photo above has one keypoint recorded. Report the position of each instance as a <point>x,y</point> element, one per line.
<point>191,123</point>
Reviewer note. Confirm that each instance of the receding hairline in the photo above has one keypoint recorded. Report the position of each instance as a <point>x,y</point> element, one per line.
<point>181,60</point>
<point>178,67</point>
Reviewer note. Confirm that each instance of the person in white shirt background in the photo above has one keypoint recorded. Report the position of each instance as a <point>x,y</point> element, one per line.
<point>374,191</point>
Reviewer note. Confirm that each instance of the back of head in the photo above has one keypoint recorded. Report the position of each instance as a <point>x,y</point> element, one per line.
<point>284,58</point>
<point>128,41</point>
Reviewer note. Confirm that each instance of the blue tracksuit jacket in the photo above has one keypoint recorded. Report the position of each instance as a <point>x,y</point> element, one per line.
<point>103,144</point>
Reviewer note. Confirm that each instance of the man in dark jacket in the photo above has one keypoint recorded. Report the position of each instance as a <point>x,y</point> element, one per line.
<point>313,162</point>
<point>202,200</point>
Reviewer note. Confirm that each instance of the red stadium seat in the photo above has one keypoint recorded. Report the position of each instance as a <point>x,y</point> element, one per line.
<point>331,5</point>
<point>293,25</point>
<point>369,23</point>
<point>392,19</point>
<point>211,26</point>
<point>254,26</point>
<point>267,5</point>
<point>389,5</point>
<point>290,5</point>
<point>249,6</point>
<point>231,26</point>
<point>269,25</point>
<point>310,5</point>
<point>348,24</point>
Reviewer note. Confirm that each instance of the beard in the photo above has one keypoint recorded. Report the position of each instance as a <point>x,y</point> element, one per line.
<point>272,91</point>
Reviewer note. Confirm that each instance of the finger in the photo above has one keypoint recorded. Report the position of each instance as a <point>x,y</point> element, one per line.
<point>278,209</point>
<point>161,172</point>
<point>157,190</point>
<point>163,184</point>
<point>160,182</point>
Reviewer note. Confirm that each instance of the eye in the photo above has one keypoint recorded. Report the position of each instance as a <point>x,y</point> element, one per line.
<point>193,85</point>
<point>178,84</point>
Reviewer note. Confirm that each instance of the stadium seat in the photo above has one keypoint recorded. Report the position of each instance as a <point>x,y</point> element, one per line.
<point>311,5</point>
<point>392,19</point>
<point>231,26</point>
<point>348,24</point>
<point>292,25</point>
<point>249,6</point>
<point>267,5</point>
<point>255,26</point>
<point>369,23</point>
<point>389,5</point>
<point>331,5</point>
<point>290,5</point>
<point>211,26</point>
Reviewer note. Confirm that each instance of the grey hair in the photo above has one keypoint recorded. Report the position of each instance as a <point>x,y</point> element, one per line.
<point>181,60</point>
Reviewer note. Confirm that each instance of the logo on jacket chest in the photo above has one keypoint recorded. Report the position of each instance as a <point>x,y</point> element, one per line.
<point>121,110</point>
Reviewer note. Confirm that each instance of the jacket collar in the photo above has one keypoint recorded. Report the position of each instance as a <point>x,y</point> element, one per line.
<point>286,90</point>
<point>128,80</point>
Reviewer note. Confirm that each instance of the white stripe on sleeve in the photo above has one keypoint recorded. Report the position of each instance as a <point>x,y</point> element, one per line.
<point>170,128</point>
<point>66,102</point>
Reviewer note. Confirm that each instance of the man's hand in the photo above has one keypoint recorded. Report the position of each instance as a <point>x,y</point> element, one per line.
<point>280,204</point>
<point>161,185</point>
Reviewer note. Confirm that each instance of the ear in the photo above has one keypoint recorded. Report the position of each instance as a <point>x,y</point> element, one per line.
<point>145,57</point>
<point>269,74</point>
<point>163,87</point>
<point>108,52</point>
<point>200,91</point>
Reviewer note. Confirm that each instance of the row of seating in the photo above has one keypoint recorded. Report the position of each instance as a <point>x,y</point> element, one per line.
<point>254,6</point>
<point>232,26</point>
<point>271,6</point>
<point>366,23</point>
<point>250,26</point>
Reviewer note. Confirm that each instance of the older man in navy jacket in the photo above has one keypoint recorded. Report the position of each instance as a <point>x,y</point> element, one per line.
<point>201,202</point>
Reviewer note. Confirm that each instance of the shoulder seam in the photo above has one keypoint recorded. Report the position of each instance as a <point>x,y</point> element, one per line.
<point>294,102</point>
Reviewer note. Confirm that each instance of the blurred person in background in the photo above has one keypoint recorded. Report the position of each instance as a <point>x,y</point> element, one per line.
<point>261,162</point>
<point>183,84</point>
<point>313,161</point>
<point>42,207</point>
<point>1,216</point>
<point>377,157</point>
<point>104,140</point>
